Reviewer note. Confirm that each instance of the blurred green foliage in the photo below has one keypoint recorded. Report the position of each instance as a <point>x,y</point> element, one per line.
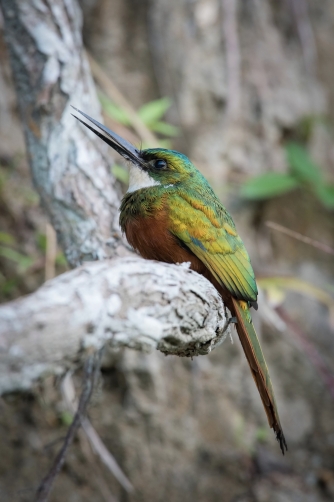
<point>23,261</point>
<point>268,185</point>
<point>114,111</point>
<point>41,244</point>
<point>261,434</point>
<point>6,239</point>
<point>303,173</point>
<point>66,418</point>
<point>22,235</point>
<point>120,173</point>
<point>150,113</point>
<point>41,241</point>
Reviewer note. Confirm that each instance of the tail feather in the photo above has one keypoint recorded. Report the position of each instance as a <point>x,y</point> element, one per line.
<point>251,346</point>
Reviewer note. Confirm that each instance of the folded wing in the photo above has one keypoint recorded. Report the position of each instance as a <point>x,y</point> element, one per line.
<point>210,234</point>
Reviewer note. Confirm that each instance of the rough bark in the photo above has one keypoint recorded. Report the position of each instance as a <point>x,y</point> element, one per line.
<point>127,302</point>
<point>69,166</point>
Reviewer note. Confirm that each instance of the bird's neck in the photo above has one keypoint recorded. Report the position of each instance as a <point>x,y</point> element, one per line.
<point>146,202</point>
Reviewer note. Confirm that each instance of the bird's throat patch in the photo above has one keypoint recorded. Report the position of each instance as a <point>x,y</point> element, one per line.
<point>138,178</point>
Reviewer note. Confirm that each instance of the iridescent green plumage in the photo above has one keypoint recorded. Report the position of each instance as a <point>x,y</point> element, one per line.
<point>202,223</point>
<point>170,213</point>
<point>197,218</point>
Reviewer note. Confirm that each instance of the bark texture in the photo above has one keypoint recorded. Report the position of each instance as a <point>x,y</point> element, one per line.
<point>127,302</point>
<point>70,168</point>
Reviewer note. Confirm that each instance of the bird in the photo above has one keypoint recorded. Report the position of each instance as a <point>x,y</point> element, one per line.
<point>171,214</point>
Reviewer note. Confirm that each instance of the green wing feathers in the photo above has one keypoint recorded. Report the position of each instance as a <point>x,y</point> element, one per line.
<point>251,346</point>
<point>209,232</point>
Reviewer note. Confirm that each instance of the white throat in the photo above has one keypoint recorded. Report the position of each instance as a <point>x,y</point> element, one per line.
<point>139,179</point>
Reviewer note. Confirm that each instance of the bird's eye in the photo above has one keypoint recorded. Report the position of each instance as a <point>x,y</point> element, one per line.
<point>160,164</point>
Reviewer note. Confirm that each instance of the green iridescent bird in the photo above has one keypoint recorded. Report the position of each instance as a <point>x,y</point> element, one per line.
<point>170,213</point>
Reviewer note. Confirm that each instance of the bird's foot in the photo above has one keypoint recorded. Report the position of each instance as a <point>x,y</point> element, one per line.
<point>233,320</point>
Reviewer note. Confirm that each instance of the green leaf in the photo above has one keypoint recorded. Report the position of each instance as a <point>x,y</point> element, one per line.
<point>144,145</point>
<point>114,111</point>
<point>8,286</point>
<point>154,110</point>
<point>60,259</point>
<point>41,242</point>
<point>325,193</point>
<point>165,143</point>
<point>23,261</point>
<point>165,129</point>
<point>301,164</point>
<point>6,238</point>
<point>268,185</point>
<point>120,173</point>
<point>261,434</point>
<point>30,196</point>
<point>66,418</point>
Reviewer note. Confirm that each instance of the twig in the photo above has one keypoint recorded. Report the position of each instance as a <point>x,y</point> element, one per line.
<point>45,487</point>
<point>310,350</point>
<point>300,237</point>
<point>115,95</point>
<point>50,252</point>
<point>230,27</point>
<point>95,441</point>
<point>107,458</point>
<point>100,482</point>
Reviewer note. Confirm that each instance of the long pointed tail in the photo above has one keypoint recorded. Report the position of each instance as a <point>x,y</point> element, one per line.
<point>251,345</point>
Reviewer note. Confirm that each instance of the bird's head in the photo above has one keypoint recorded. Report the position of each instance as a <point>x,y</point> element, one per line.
<point>151,167</point>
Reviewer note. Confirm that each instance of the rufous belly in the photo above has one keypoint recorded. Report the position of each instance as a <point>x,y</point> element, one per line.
<point>151,238</point>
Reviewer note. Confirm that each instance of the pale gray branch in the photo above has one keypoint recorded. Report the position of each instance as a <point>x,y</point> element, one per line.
<point>126,302</point>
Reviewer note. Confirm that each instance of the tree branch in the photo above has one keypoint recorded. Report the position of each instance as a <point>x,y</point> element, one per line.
<point>127,302</point>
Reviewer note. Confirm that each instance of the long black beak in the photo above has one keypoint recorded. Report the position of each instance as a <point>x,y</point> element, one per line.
<point>123,147</point>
